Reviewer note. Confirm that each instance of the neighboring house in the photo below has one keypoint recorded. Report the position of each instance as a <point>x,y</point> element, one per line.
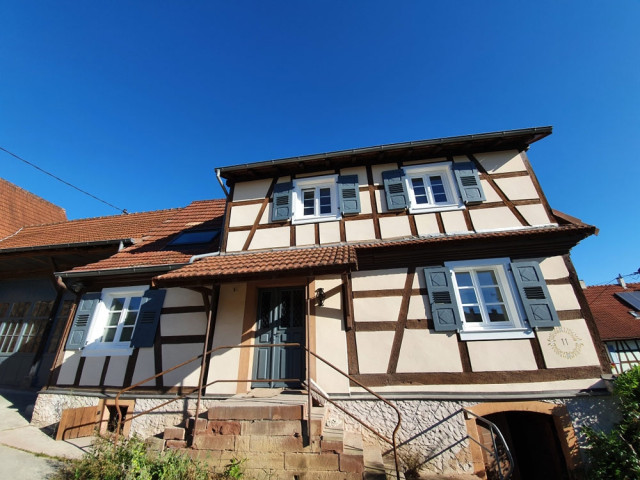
<point>616,310</point>
<point>19,208</point>
<point>433,272</point>
<point>32,299</point>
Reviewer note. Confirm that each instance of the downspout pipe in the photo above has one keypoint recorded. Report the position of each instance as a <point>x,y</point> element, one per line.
<point>224,189</point>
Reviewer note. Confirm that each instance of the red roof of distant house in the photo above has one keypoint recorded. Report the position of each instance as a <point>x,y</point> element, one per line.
<point>292,261</point>
<point>612,313</point>
<point>84,231</point>
<point>154,249</point>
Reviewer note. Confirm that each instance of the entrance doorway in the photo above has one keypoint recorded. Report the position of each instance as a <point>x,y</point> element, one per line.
<point>533,441</point>
<point>281,315</point>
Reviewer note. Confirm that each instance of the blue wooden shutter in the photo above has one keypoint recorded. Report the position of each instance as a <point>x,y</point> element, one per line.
<point>535,295</point>
<point>348,189</point>
<point>148,318</point>
<point>281,202</point>
<point>395,190</point>
<point>469,182</point>
<point>446,316</point>
<point>82,321</point>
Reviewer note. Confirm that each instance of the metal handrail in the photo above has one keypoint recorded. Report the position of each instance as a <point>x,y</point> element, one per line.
<point>494,430</point>
<point>392,441</point>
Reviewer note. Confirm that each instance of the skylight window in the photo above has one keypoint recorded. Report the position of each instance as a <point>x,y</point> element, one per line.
<point>195,238</point>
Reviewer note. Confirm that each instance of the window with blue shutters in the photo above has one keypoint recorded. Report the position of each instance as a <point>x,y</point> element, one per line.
<point>489,299</point>
<point>116,320</point>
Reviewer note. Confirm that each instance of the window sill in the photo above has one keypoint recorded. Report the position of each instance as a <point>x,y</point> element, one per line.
<point>107,351</point>
<point>512,334</point>
<point>302,221</point>
<point>443,208</point>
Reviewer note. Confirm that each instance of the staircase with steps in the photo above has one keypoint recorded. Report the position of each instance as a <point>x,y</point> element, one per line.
<point>268,436</point>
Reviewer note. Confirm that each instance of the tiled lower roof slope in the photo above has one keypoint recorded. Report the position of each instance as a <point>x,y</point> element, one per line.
<point>154,250</point>
<point>86,230</point>
<point>611,314</point>
<point>251,263</point>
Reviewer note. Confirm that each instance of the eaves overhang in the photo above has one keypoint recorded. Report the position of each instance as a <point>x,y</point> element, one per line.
<point>152,269</point>
<point>63,246</point>
<point>459,145</point>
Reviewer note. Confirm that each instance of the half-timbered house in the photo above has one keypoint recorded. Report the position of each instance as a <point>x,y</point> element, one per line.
<point>433,272</point>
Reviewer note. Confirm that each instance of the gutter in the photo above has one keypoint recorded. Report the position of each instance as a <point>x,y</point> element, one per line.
<point>120,271</point>
<point>224,189</point>
<point>97,243</point>
<point>543,131</point>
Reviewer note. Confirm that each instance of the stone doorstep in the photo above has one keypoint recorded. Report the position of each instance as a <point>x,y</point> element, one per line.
<point>332,440</point>
<point>373,464</point>
<point>256,412</point>
<point>271,427</point>
<point>320,461</point>
<point>176,444</point>
<point>274,474</point>
<point>351,463</point>
<point>174,433</point>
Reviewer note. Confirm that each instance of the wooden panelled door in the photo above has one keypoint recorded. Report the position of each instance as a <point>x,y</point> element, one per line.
<point>281,315</point>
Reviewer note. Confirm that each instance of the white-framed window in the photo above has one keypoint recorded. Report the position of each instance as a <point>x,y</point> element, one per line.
<point>432,188</point>
<point>487,298</point>
<point>315,199</point>
<point>114,321</point>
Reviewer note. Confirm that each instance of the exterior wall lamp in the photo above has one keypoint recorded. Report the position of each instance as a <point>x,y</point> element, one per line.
<point>320,296</point>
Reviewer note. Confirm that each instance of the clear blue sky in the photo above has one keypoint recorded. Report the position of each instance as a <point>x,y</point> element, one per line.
<point>138,101</point>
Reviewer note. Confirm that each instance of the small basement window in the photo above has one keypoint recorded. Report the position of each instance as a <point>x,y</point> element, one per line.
<point>195,238</point>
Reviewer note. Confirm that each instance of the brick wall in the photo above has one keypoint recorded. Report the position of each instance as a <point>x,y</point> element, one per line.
<point>19,208</point>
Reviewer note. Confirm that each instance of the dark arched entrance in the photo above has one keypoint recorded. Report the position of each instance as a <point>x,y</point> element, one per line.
<point>533,441</point>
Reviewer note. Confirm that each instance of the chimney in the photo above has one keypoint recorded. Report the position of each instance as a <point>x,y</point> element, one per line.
<point>621,281</point>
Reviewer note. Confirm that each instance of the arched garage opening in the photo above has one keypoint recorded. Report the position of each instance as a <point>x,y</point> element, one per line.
<point>540,437</point>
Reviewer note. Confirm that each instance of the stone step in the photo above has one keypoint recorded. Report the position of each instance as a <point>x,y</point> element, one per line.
<point>256,411</point>
<point>374,468</point>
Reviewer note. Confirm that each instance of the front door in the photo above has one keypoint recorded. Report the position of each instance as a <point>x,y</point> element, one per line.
<point>281,314</point>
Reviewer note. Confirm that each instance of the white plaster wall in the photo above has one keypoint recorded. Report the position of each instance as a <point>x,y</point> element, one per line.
<point>224,363</point>
<point>92,371</point>
<point>377,309</point>
<point>454,222</point>
<point>358,230</point>
<point>379,279</point>
<point>489,192</point>
<point>331,341</point>
<point>189,374</point>
<point>305,234</point>
<point>183,324</point>
<point>563,297</point>
<point>118,368</point>
<point>181,297</point>
<point>534,214</point>
<point>426,351</point>
<point>365,202</point>
<point>395,227</point>
<point>244,215</point>
<point>271,238</point>
<point>374,350</point>
<point>253,190</point>
<point>517,188</point>
<point>501,162</point>
<point>419,308</point>
<point>381,201</point>
<point>493,219</point>
<point>427,224</point>
<point>235,240</point>
<point>569,345</point>
<point>145,367</point>
<point>553,267</point>
<point>69,367</point>
<point>377,170</point>
<point>329,232</point>
<point>500,355</point>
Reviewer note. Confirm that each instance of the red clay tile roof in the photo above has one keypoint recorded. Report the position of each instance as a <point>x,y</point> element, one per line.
<point>86,230</point>
<point>154,251</point>
<point>611,314</point>
<point>294,260</point>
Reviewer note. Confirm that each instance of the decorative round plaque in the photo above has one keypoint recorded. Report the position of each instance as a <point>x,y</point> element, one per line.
<point>565,342</point>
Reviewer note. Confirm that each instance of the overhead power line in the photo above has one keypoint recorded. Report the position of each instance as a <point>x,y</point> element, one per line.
<point>61,180</point>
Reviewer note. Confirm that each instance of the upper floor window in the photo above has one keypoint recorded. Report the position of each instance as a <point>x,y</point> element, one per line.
<point>433,187</point>
<point>316,199</point>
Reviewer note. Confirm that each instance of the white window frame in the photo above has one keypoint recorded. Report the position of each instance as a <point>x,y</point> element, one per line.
<point>94,346</point>
<point>516,327</point>
<point>444,170</point>
<point>297,201</point>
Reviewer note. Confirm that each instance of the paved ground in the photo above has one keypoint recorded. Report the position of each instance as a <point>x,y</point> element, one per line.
<point>25,451</point>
